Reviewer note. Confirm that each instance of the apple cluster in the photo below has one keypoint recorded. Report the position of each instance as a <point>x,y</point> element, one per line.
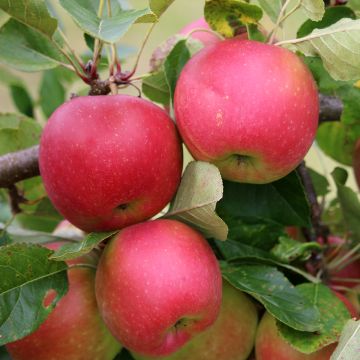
<point>114,162</point>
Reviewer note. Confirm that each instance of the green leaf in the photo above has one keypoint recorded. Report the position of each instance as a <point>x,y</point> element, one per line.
<point>349,202</point>
<point>354,4</point>
<point>4,354</point>
<point>5,238</point>
<point>228,17</point>
<point>272,8</point>
<point>22,100</point>
<point>289,250</point>
<point>155,88</point>
<point>27,276</point>
<point>17,132</point>
<point>349,343</point>
<point>76,249</point>
<point>331,16</point>
<point>4,17</point>
<point>283,202</point>
<point>254,33</point>
<point>32,13</point>
<point>107,29</point>
<point>337,46</point>
<point>52,93</point>
<point>199,191</point>
<point>276,293</point>
<point>314,9</point>
<point>333,317</point>
<point>321,185</point>
<point>27,50</point>
<point>174,63</point>
<point>158,7</point>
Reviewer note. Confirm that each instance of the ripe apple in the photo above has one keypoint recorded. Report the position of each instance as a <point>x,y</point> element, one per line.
<point>269,345</point>
<point>110,161</point>
<point>231,337</point>
<point>74,330</point>
<point>357,162</point>
<point>248,107</point>
<point>158,283</point>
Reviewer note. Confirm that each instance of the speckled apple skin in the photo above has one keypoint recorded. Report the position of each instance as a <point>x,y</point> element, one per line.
<point>151,276</point>
<point>110,161</point>
<point>74,330</point>
<point>241,97</point>
<point>231,337</point>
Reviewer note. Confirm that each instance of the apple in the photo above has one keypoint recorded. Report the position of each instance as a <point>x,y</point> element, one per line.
<point>110,161</point>
<point>357,162</point>
<point>158,284</point>
<point>249,108</point>
<point>74,330</point>
<point>231,337</point>
<point>269,345</point>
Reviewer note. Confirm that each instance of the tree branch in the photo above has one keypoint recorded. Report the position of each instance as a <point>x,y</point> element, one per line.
<point>331,108</point>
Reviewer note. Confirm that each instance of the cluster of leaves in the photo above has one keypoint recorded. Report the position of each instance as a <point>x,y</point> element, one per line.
<point>258,256</point>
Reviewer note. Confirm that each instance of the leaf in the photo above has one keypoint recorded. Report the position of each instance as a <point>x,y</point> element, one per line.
<point>17,132</point>
<point>321,185</point>
<point>158,7</point>
<point>155,88</point>
<point>32,13</point>
<point>314,9</point>
<point>108,29</point>
<point>27,50</point>
<point>5,238</point>
<point>27,276</point>
<point>349,202</point>
<point>52,93</point>
<point>333,316</point>
<point>73,250</point>
<point>174,63</point>
<point>349,343</point>
<point>272,8</point>
<point>276,293</point>
<point>228,17</point>
<point>283,202</point>
<point>289,250</point>
<point>195,201</point>
<point>4,17</point>
<point>22,100</point>
<point>331,16</point>
<point>337,46</point>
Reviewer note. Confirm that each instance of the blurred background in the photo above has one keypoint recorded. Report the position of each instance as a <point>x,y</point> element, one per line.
<point>177,16</point>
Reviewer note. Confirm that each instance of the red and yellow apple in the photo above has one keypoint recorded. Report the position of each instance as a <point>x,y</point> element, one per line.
<point>231,337</point>
<point>74,330</point>
<point>158,284</point>
<point>249,108</point>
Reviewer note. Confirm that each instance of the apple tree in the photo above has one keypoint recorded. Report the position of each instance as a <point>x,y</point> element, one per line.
<point>174,214</point>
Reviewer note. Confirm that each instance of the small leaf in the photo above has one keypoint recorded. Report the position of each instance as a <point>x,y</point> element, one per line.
<point>108,29</point>
<point>32,13</point>
<point>321,185</point>
<point>333,316</point>
<point>314,9</point>
<point>272,8</point>
<point>5,238</point>
<point>195,201</point>
<point>349,202</point>
<point>337,46</point>
<point>228,17</point>
<point>349,343</point>
<point>4,17</point>
<point>27,275</point>
<point>174,63</point>
<point>276,293</point>
<point>155,88</point>
<point>76,249</point>
<point>22,100</point>
<point>158,7</point>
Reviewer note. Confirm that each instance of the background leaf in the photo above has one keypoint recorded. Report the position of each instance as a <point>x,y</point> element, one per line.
<point>272,8</point>
<point>314,9</point>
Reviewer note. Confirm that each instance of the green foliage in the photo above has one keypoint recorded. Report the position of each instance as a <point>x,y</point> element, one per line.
<point>156,88</point>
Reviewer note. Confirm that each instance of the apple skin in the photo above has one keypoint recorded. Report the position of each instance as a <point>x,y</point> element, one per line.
<point>74,330</point>
<point>231,337</point>
<point>110,161</point>
<point>356,164</point>
<point>158,283</point>
<point>248,107</point>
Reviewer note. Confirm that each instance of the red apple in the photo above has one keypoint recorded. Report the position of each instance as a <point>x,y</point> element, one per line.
<point>231,337</point>
<point>110,161</point>
<point>248,107</point>
<point>158,283</point>
<point>74,330</point>
<point>356,164</point>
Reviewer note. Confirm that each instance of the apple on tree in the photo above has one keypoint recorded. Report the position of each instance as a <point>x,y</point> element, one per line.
<point>74,330</point>
<point>97,161</point>
<point>158,284</point>
<point>249,108</point>
<point>231,337</point>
